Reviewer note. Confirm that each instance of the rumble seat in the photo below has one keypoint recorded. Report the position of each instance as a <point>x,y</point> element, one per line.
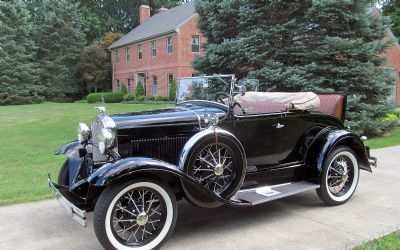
<point>332,104</point>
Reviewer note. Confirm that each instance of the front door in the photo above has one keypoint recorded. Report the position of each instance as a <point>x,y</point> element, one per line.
<point>261,136</point>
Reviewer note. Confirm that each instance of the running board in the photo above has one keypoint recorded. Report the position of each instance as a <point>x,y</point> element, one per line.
<point>264,194</point>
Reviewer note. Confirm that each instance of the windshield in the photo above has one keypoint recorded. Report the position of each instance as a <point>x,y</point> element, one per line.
<point>203,88</point>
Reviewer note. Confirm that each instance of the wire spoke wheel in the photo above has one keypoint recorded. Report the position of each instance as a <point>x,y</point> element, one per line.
<point>138,216</point>
<point>340,175</point>
<point>214,167</point>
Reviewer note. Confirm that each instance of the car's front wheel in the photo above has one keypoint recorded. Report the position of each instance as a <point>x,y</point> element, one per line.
<point>339,177</point>
<point>138,214</point>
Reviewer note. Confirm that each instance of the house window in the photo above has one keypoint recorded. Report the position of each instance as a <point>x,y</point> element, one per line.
<point>154,85</point>
<point>129,85</point>
<point>140,51</point>
<point>117,56</point>
<point>128,54</point>
<point>196,44</point>
<point>169,45</point>
<point>153,48</point>
<point>117,83</point>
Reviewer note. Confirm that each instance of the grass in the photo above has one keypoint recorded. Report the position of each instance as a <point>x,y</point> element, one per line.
<point>388,242</point>
<point>390,139</point>
<point>29,136</point>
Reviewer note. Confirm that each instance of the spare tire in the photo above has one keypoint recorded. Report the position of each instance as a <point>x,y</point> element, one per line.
<point>217,164</point>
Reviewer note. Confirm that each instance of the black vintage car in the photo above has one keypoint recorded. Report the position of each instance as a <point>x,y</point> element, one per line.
<point>223,143</point>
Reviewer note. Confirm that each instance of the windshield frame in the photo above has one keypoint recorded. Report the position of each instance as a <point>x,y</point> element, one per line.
<point>218,76</point>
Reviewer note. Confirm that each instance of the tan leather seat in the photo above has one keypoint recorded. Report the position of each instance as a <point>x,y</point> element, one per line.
<point>331,104</point>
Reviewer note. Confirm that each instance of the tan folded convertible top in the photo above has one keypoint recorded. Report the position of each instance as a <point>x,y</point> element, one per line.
<point>295,101</point>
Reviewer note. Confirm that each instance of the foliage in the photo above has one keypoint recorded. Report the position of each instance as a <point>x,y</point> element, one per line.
<point>140,98</point>
<point>94,67</point>
<point>139,90</point>
<point>392,8</point>
<point>321,46</point>
<point>108,97</point>
<point>19,78</point>
<point>41,129</point>
<point>172,91</point>
<point>129,97</point>
<point>122,15</point>
<point>124,90</point>
<point>159,98</point>
<point>60,39</point>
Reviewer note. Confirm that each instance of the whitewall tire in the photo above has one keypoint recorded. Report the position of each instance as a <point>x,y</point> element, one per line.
<point>339,177</point>
<point>138,214</point>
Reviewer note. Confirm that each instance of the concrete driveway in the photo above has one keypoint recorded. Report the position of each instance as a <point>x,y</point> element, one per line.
<point>297,222</point>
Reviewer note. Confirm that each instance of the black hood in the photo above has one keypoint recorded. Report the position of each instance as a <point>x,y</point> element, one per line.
<point>188,113</point>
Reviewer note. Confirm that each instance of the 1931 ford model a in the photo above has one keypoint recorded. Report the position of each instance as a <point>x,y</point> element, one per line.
<point>215,147</point>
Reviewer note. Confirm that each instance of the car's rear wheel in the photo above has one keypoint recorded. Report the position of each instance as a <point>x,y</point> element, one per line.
<point>339,177</point>
<point>138,214</point>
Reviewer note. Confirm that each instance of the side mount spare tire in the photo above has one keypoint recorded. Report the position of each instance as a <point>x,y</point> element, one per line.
<point>216,160</point>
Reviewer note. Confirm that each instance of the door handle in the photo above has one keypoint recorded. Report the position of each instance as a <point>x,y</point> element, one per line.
<point>278,125</point>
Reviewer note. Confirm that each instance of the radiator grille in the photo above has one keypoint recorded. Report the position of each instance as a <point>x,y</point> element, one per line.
<point>166,148</point>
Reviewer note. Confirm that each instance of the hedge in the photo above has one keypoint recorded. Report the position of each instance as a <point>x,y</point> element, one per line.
<point>108,97</point>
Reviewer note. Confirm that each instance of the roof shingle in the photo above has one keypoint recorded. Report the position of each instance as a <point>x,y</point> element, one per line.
<point>158,24</point>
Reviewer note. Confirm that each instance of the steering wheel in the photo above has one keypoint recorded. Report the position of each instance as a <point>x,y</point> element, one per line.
<point>219,96</point>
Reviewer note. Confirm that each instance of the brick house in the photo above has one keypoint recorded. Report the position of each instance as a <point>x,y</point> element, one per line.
<point>157,51</point>
<point>392,55</point>
<point>162,47</point>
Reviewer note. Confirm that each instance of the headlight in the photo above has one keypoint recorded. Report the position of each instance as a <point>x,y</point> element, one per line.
<point>83,132</point>
<point>106,139</point>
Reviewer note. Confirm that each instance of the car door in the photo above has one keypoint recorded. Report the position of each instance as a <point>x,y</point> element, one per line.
<point>261,136</point>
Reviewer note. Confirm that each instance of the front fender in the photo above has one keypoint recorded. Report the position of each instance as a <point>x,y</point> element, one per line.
<point>328,141</point>
<point>68,149</point>
<point>71,150</point>
<point>129,167</point>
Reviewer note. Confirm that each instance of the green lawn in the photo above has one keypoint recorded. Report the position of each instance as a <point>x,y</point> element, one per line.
<point>388,242</point>
<point>391,139</point>
<point>29,136</point>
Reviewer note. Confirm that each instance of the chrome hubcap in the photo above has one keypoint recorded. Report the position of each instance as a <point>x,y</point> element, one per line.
<point>214,167</point>
<point>142,219</point>
<point>340,175</point>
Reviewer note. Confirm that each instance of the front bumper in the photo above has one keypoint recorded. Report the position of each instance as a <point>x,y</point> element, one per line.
<point>76,213</point>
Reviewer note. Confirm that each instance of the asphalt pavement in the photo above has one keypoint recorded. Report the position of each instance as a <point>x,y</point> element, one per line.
<point>298,222</point>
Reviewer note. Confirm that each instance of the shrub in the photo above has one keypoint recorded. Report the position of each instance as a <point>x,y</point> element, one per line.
<point>140,98</point>
<point>149,98</point>
<point>139,90</point>
<point>129,97</point>
<point>108,97</point>
<point>159,98</point>
<point>124,90</point>
<point>172,91</point>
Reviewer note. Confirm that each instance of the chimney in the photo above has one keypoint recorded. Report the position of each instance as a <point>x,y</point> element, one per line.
<point>162,9</point>
<point>144,13</point>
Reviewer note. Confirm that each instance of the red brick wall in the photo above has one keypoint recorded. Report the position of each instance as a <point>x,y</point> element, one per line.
<point>393,60</point>
<point>177,63</point>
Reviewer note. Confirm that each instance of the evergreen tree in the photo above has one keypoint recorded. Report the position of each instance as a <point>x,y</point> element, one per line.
<point>19,72</point>
<point>172,91</point>
<point>60,39</point>
<point>139,90</point>
<point>321,46</point>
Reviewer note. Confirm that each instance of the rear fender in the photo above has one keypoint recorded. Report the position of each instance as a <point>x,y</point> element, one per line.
<point>133,167</point>
<point>328,141</point>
